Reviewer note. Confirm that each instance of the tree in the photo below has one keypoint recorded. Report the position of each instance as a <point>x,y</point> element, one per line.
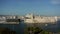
<point>34,30</point>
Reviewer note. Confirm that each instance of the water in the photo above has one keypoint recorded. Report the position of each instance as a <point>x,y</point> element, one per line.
<point>53,27</point>
<point>19,28</point>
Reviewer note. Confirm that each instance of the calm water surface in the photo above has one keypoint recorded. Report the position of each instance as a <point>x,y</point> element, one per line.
<point>19,28</point>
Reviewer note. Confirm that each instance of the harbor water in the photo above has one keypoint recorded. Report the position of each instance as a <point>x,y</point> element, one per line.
<point>19,28</point>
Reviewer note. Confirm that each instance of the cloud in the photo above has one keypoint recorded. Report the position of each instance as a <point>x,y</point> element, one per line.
<point>55,1</point>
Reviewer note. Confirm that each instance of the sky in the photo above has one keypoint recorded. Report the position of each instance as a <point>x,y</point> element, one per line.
<point>23,7</point>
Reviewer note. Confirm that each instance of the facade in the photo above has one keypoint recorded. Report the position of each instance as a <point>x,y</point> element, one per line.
<point>2,19</point>
<point>8,19</point>
<point>39,19</point>
<point>29,18</point>
<point>11,17</point>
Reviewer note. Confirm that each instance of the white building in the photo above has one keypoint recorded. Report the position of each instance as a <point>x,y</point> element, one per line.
<point>10,17</point>
<point>39,19</point>
<point>2,19</point>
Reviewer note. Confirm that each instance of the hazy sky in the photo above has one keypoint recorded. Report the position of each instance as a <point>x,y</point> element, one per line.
<point>22,7</point>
